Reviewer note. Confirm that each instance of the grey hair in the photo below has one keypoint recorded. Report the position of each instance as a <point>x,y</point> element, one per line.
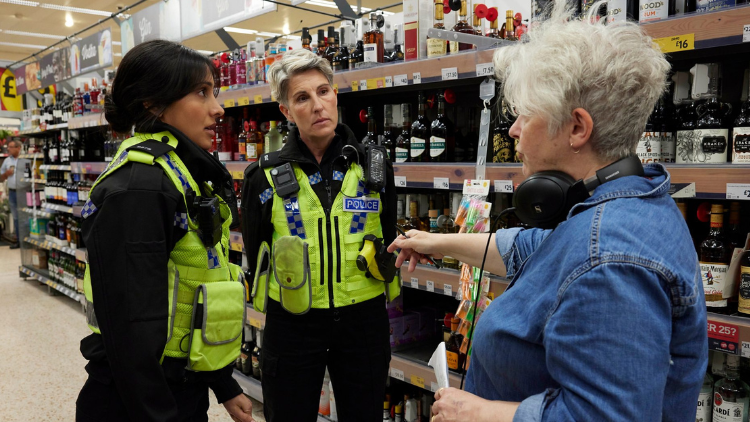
<point>293,63</point>
<point>15,141</point>
<point>614,72</point>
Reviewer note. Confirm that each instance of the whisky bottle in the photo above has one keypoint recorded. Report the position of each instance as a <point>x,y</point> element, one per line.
<point>712,133</point>
<point>420,134</point>
<point>374,48</point>
<point>494,32</point>
<point>388,140</point>
<point>372,133</point>
<point>464,27</point>
<point>400,211</point>
<point>341,59</point>
<point>477,23</point>
<point>437,47</point>
<point>331,47</point>
<point>714,263</point>
<point>741,134</point>
<point>731,394</point>
<point>507,31</point>
<point>744,305</point>
<point>306,39</point>
<point>503,146</point>
<point>414,222</point>
<point>254,142</point>
<point>321,50</point>
<point>442,134</point>
<point>402,142</point>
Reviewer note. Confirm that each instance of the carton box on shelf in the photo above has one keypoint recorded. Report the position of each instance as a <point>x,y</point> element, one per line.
<point>395,307</point>
<point>397,329</point>
<point>39,259</point>
<point>418,16</point>
<point>39,229</point>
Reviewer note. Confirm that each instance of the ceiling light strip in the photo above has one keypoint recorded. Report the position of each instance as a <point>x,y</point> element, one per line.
<point>21,2</point>
<point>33,34</point>
<point>15,44</point>
<point>76,9</point>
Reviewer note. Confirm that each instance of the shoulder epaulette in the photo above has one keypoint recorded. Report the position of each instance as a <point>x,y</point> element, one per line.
<point>152,147</point>
<point>272,159</point>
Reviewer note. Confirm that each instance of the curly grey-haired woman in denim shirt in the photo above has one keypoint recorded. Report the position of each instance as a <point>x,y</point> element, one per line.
<point>604,318</point>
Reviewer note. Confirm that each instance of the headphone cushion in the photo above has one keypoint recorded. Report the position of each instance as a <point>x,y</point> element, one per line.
<point>540,201</point>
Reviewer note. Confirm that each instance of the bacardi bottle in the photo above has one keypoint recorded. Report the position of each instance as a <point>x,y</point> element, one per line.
<point>731,394</point>
<point>714,264</point>
<point>705,400</point>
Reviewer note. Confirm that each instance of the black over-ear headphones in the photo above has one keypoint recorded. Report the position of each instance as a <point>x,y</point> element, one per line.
<point>545,199</point>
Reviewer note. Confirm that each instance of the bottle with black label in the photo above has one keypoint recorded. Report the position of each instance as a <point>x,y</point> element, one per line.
<point>741,133</point>
<point>503,146</point>
<point>712,134</point>
<point>649,146</point>
<point>403,143</point>
<point>420,134</point>
<point>714,264</point>
<point>686,144</point>
<point>744,305</point>
<point>388,139</point>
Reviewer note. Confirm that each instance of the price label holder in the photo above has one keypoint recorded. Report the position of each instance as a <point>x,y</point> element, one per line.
<point>476,187</point>
<point>434,386</point>
<point>399,181</point>
<point>414,283</point>
<point>485,69</point>
<point>746,349</point>
<point>388,81</point>
<point>254,322</point>
<point>418,381</point>
<point>397,373</point>
<point>448,289</point>
<point>417,78</point>
<point>676,43</point>
<point>746,33</point>
<point>243,101</point>
<point>355,86</point>
<point>449,73</point>
<point>363,85</point>
<point>723,337</point>
<point>430,286</point>
<point>401,80</point>
<point>229,103</point>
<point>738,191</point>
<point>258,99</point>
<point>504,186</point>
<point>376,83</point>
<point>441,183</point>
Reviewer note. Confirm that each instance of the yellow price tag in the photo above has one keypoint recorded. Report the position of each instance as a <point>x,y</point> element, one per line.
<point>418,381</point>
<point>243,101</point>
<point>238,175</point>
<point>676,43</point>
<point>273,98</point>
<point>229,103</point>
<point>237,247</point>
<point>336,88</point>
<point>375,83</point>
<point>258,99</point>
<point>255,323</point>
<point>355,86</point>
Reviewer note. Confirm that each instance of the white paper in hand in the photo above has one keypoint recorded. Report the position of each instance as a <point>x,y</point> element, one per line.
<point>439,363</point>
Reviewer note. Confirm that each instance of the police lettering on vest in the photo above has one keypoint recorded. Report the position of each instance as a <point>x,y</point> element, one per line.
<point>362,204</point>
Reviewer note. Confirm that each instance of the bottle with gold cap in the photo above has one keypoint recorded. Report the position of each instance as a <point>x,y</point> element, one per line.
<point>437,47</point>
<point>477,23</point>
<point>494,32</point>
<point>453,347</point>
<point>387,411</point>
<point>744,305</point>
<point>508,31</point>
<point>462,26</point>
<point>714,264</point>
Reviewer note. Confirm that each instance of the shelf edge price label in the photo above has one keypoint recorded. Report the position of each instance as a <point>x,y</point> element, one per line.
<point>504,186</point>
<point>355,86</point>
<point>397,373</point>
<point>255,322</point>
<point>388,81</point>
<point>400,80</point>
<point>363,85</point>
<point>418,381</point>
<point>243,101</point>
<point>448,289</point>
<point>399,181</point>
<point>450,73</point>
<point>746,33</point>
<point>229,103</point>
<point>336,88</point>
<point>430,286</point>
<point>414,283</point>
<point>441,183</point>
<point>434,387</point>
<point>746,349</point>
<point>485,69</point>
<point>417,78</point>
<point>738,191</point>
<point>676,43</point>
<point>723,337</point>
<point>258,99</point>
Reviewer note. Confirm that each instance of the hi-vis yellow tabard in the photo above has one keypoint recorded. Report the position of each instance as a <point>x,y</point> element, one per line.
<point>206,293</point>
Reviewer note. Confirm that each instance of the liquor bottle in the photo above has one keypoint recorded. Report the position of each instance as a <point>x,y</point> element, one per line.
<point>388,140</point>
<point>257,351</point>
<point>400,212</point>
<point>437,47</point>
<point>357,55</point>
<point>705,399</point>
<point>240,67</point>
<point>477,23</point>
<point>246,355</point>
<point>741,133</point>
<point>494,32</point>
<point>420,133</point>
<point>464,27</point>
<point>94,92</point>
<point>737,237</point>
<point>321,50</point>
<point>341,60</point>
<point>433,214</point>
<point>372,133</point>
<point>410,408</point>
<point>649,146</point>
<point>331,48</point>
<point>398,413</point>
<point>414,222</point>
<point>507,31</point>
<point>387,412</point>
<point>744,290</point>
<point>622,10</point>
<point>686,142</point>
<point>714,263</point>
<point>668,140</point>
<point>711,130</point>
<point>402,141</point>
<point>731,394</point>
<point>373,42</point>
<point>442,134</point>
<point>273,138</point>
<point>453,347</point>
<point>653,10</point>
<point>242,140</point>
<point>306,38</point>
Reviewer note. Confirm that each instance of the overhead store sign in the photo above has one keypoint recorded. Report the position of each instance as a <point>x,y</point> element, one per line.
<point>160,21</point>
<point>91,53</point>
<point>10,99</point>
<point>198,18</point>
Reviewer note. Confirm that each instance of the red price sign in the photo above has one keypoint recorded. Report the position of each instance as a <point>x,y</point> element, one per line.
<point>723,337</point>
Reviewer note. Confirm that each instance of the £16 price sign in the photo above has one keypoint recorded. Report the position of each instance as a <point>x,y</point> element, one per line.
<point>723,337</point>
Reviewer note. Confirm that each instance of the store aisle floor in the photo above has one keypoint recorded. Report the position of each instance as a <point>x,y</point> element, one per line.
<point>41,368</point>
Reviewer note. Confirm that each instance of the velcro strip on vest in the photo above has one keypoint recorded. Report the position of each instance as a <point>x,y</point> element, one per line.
<point>293,216</point>
<point>359,219</point>
<point>315,178</point>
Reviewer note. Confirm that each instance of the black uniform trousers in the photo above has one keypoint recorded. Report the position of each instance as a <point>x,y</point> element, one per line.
<point>353,341</point>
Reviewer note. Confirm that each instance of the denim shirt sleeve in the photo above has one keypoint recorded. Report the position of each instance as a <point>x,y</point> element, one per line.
<point>610,326</point>
<point>516,244</point>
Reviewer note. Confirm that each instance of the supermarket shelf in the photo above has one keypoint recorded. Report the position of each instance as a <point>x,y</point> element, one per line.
<point>235,242</point>
<point>77,209</point>
<point>410,366</point>
<point>57,207</point>
<point>36,181</point>
<point>39,212</point>
<point>237,168</point>
<point>729,334</point>
<point>88,120</point>
<point>39,131</point>
<point>255,318</point>
<point>44,278</point>
<point>710,180</point>
<point>431,279</point>
<point>82,255</point>
<point>46,244</point>
<point>430,70</point>
<point>713,29</point>
<point>96,167</point>
<point>54,167</point>
<point>37,156</point>
<point>250,385</point>
<point>422,175</point>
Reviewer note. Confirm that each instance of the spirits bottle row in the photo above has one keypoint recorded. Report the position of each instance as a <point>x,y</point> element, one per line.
<point>724,395</point>
<point>246,139</point>
<point>66,147</point>
<point>66,188</point>
<point>64,230</point>
<point>250,352</point>
<point>640,10</point>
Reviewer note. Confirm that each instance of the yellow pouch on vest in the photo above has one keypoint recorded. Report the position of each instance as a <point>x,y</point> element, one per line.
<point>218,318</point>
<point>260,284</point>
<point>291,269</point>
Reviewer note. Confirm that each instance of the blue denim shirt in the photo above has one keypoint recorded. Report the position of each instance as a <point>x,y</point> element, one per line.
<point>604,319</point>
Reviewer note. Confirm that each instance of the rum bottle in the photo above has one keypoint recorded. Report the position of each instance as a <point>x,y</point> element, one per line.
<point>374,48</point>
<point>741,134</point>
<point>321,50</point>
<point>687,143</point>
<point>731,394</point>
<point>403,143</point>
<point>356,55</point>
<point>494,32</point>
<point>306,39</point>
<point>712,133</point>
<point>464,27</point>
<point>744,305</point>
<point>714,263</point>
<point>420,133</point>
<point>442,134</point>
<point>254,142</point>
<point>437,47</point>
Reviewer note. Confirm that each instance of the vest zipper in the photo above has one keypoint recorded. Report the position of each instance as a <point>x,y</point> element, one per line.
<point>330,258</point>
<point>320,253</point>
<point>328,189</point>
<point>338,250</point>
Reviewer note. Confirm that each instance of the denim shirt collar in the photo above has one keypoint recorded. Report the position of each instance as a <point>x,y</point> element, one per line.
<point>655,183</point>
